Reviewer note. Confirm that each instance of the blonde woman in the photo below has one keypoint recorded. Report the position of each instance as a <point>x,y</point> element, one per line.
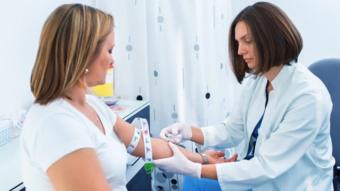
<point>71,140</point>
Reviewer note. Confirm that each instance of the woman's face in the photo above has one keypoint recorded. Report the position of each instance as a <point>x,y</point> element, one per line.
<point>98,68</point>
<point>246,46</point>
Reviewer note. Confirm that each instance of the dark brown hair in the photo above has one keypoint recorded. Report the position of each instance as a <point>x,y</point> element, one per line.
<point>69,41</point>
<point>276,39</point>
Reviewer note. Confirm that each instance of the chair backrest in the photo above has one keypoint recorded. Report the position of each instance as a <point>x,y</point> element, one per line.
<point>328,70</point>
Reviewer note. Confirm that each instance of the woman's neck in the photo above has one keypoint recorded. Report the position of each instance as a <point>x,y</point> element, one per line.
<point>271,74</point>
<point>76,95</point>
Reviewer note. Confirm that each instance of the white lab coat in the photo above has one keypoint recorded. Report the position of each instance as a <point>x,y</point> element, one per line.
<point>293,150</point>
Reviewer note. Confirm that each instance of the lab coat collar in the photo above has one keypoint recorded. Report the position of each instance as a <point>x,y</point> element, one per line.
<point>283,76</point>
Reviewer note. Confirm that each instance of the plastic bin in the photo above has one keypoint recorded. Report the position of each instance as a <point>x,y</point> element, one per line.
<point>6,126</point>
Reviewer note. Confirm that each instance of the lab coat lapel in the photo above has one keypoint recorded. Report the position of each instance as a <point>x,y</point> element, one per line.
<point>256,106</point>
<point>275,107</point>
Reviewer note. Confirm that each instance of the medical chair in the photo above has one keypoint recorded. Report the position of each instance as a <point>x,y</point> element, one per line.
<point>328,70</point>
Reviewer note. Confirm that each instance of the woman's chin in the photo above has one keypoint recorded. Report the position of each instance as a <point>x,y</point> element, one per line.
<point>96,83</point>
<point>251,66</point>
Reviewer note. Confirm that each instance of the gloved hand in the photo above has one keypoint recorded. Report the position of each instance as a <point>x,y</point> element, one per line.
<point>176,132</point>
<point>178,163</point>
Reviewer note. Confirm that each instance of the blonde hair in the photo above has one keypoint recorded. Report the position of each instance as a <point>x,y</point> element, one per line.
<point>70,39</point>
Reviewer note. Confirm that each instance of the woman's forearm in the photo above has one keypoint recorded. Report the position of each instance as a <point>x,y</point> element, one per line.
<point>209,171</point>
<point>197,135</point>
<point>160,148</point>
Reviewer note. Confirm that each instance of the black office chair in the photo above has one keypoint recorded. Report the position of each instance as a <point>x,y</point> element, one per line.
<point>328,70</point>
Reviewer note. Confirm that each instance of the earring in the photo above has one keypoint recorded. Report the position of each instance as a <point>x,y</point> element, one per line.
<point>86,70</point>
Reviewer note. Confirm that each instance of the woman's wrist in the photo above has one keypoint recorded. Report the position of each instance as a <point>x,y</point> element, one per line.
<point>205,158</point>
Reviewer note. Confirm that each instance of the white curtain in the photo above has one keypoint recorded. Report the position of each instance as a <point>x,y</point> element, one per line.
<point>174,53</point>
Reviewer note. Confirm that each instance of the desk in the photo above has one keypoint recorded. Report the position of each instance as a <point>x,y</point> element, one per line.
<point>10,157</point>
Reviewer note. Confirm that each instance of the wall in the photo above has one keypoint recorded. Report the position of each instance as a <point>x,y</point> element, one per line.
<point>21,23</point>
<point>317,22</point>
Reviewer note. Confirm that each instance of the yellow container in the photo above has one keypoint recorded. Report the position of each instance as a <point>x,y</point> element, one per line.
<point>107,89</point>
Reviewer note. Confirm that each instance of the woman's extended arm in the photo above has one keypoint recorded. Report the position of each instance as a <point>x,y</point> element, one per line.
<point>160,147</point>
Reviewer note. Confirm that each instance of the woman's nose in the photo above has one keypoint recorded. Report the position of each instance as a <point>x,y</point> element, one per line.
<point>241,49</point>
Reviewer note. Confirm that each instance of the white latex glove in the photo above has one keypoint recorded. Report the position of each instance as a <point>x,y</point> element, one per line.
<point>178,163</point>
<point>176,132</point>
